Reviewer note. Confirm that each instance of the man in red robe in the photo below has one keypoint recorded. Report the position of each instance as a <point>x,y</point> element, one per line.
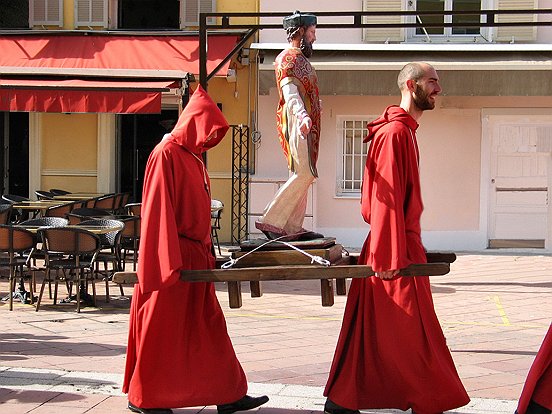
<point>536,397</point>
<point>179,353</point>
<point>298,123</point>
<point>391,351</point>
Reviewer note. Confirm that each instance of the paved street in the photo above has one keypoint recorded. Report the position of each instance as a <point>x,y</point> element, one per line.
<point>494,309</point>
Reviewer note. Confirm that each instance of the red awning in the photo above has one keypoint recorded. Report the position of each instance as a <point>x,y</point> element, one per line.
<point>76,95</point>
<point>83,57</point>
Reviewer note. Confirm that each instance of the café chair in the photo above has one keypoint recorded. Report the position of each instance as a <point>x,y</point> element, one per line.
<point>109,252</point>
<point>130,240</point>
<point>61,210</point>
<point>133,209</point>
<point>106,202</point>
<point>79,248</point>
<point>5,213</point>
<point>18,244</point>
<point>120,202</point>
<point>216,211</point>
<point>38,253</point>
<point>86,213</point>
<point>17,214</point>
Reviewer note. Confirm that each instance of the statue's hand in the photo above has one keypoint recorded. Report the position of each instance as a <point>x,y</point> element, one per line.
<point>305,126</point>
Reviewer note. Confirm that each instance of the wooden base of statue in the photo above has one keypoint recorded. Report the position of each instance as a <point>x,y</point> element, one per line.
<point>280,254</point>
<point>261,253</point>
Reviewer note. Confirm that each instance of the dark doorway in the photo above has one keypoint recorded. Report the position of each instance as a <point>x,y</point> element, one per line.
<point>149,14</point>
<point>14,135</point>
<point>139,134</point>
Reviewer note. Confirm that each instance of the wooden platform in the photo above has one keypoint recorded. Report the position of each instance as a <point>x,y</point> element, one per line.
<point>265,244</point>
<point>288,264</point>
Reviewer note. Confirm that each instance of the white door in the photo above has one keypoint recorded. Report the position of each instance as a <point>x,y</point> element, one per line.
<point>519,184</point>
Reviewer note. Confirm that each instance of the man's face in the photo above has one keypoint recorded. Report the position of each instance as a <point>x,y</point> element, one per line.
<point>309,37</point>
<point>427,90</point>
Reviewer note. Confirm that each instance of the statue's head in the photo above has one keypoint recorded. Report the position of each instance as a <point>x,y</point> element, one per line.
<point>302,26</point>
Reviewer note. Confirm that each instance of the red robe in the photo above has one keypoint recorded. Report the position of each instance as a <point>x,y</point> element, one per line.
<point>538,386</point>
<point>179,353</point>
<point>391,351</point>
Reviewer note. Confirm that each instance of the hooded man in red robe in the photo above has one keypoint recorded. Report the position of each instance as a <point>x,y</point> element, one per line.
<point>536,397</point>
<point>391,351</point>
<point>179,353</point>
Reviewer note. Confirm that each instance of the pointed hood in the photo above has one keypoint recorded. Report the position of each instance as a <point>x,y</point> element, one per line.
<point>391,113</point>
<point>200,119</point>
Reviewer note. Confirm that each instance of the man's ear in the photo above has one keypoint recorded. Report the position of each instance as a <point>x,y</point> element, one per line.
<point>411,85</point>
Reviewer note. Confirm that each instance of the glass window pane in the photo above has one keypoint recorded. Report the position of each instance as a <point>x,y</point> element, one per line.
<point>466,5</point>
<point>430,5</point>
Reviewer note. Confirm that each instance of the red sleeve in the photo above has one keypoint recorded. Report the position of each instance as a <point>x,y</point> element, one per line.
<point>160,257</point>
<point>383,200</point>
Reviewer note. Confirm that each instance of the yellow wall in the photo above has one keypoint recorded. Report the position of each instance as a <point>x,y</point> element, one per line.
<point>69,142</point>
<point>69,146</point>
<point>68,14</point>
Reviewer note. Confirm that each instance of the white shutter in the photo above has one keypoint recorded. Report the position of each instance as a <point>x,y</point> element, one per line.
<point>47,12</point>
<point>91,13</point>
<point>190,9</point>
<point>516,34</point>
<point>382,35</point>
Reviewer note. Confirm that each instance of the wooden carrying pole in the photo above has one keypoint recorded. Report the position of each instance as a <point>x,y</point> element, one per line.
<point>234,277</point>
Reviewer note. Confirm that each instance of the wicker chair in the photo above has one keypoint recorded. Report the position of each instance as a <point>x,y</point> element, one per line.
<point>109,252</point>
<point>106,202</point>
<point>79,248</point>
<point>38,253</point>
<point>18,243</point>
<point>85,213</point>
<point>61,210</point>
<point>5,213</point>
<point>216,211</point>
<point>133,209</point>
<point>130,240</point>
<point>17,214</point>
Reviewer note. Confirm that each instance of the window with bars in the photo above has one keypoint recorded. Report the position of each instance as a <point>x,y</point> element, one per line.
<point>351,132</point>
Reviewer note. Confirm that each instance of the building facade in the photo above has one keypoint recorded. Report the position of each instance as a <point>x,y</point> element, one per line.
<point>485,150</point>
<point>88,88</point>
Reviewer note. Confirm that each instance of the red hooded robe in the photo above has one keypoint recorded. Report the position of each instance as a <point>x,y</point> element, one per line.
<point>391,351</point>
<point>538,386</point>
<point>179,353</point>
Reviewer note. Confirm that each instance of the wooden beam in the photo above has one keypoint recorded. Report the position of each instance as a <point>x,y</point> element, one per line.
<point>295,272</point>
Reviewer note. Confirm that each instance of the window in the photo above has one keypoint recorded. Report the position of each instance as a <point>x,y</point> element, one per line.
<point>192,8</point>
<point>158,14</point>
<point>15,14</point>
<point>447,33</point>
<point>91,13</point>
<point>351,131</point>
<point>46,12</point>
<point>148,14</point>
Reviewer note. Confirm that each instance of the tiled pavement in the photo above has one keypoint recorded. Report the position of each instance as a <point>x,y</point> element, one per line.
<point>494,309</point>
